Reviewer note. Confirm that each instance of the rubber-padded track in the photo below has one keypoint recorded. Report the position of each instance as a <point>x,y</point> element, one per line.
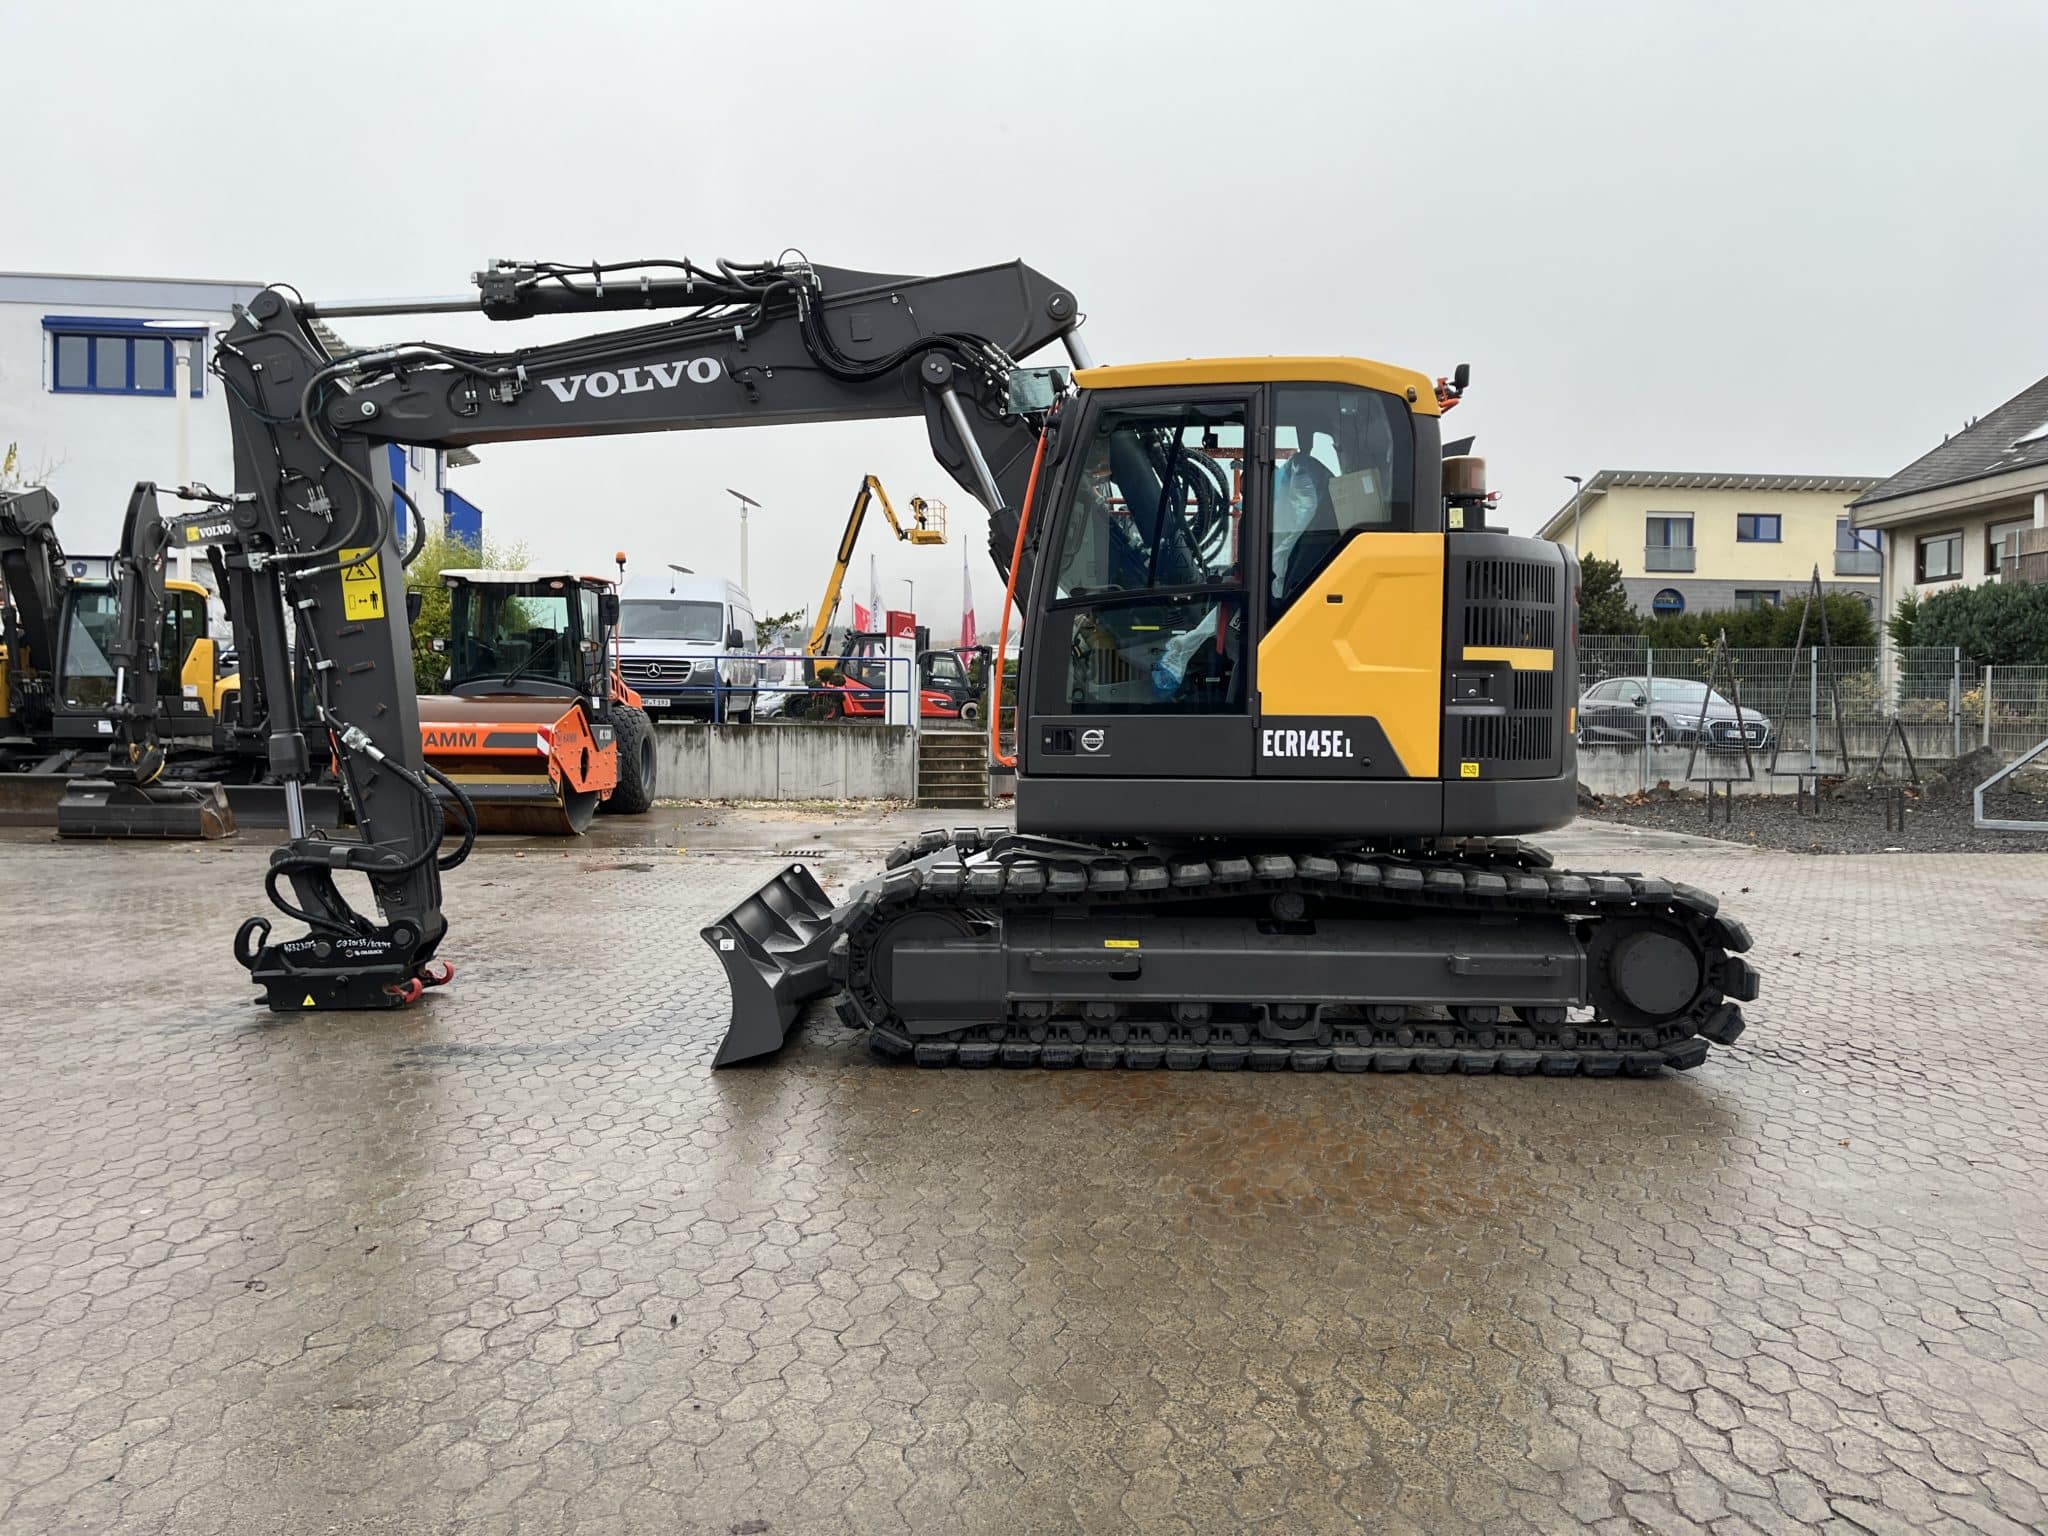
<point>990,871</point>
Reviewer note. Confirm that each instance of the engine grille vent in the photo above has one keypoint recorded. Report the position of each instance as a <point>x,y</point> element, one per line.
<point>1510,602</point>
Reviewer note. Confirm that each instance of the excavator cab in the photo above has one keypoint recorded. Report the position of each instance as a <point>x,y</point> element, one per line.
<point>535,724</point>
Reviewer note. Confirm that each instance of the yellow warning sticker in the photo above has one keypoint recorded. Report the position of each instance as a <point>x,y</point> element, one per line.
<point>1119,943</point>
<point>1468,770</point>
<point>362,586</point>
<point>308,1002</point>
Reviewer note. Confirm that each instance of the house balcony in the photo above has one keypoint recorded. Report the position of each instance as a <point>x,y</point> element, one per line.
<point>1859,562</point>
<point>1668,557</point>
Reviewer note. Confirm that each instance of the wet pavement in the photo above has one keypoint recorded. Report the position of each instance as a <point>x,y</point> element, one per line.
<point>517,1261</point>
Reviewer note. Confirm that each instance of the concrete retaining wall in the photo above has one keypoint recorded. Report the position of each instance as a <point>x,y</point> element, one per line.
<point>786,760</point>
<point>1625,770</point>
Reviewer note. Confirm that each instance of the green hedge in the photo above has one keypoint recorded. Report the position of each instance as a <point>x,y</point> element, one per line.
<point>1849,623</point>
<point>2000,624</point>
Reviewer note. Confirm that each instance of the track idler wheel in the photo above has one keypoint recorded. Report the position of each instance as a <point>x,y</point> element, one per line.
<point>1644,971</point>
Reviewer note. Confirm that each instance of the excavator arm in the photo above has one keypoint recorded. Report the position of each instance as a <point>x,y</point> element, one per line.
<point>314,551</point>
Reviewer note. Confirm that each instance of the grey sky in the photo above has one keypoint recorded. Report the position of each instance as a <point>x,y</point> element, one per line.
<point>1745,237</point>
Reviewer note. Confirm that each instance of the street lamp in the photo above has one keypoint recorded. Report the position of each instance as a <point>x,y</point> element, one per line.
<point>1578,490</point>
<point>745,501</point>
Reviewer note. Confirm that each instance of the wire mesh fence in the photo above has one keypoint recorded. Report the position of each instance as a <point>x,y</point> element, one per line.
<point>1817,710</point>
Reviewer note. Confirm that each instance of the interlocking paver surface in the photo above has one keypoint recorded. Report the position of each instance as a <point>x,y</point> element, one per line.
<point>517,1261</point>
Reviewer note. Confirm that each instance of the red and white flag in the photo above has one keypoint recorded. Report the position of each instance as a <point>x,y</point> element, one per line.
<point>863,620</point>
<point>967,630</point>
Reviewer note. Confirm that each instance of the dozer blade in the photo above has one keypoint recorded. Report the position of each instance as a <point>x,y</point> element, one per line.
<point>777,949</point>
<point>121,808</point>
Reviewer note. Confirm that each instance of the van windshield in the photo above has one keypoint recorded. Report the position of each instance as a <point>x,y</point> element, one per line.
<point>671,618</point>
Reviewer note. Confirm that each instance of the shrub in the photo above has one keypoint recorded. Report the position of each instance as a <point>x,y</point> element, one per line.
<point>2000,623</point>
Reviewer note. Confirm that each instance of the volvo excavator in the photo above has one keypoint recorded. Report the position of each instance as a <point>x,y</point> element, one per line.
<point>1288,706</point>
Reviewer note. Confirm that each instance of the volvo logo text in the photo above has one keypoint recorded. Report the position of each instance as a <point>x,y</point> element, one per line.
<point>635,381</point>
<point>1091,740</point>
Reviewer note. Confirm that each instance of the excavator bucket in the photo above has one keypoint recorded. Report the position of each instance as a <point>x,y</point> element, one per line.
<point>123,808</point>
<point>777,950</point>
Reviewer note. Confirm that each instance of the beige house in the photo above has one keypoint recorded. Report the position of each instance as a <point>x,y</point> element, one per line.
<point>1956,515</point>
<point>1699,543</point>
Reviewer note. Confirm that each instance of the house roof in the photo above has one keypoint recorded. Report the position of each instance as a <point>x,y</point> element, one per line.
<point>2015,436</point>
<point>1602,481</point>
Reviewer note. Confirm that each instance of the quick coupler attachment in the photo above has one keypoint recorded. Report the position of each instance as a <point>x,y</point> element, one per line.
<point>777,950</point>
<point>347,971</point>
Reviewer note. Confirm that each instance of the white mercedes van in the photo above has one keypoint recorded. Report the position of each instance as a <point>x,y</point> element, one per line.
<point>686,646</point>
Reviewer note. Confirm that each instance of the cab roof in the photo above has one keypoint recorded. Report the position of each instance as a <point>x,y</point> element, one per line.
<point>478,577</point>
<point>1417,389</point>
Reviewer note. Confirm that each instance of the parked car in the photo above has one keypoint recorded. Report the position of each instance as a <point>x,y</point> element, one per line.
<point>1666,711</point>
<point>686,646</point>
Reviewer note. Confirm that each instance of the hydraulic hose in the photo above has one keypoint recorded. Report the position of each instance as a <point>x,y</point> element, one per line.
<point>995,715</point>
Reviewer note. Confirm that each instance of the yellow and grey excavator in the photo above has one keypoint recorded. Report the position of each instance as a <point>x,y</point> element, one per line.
<point>110,679</point>
<point>1287,704</point>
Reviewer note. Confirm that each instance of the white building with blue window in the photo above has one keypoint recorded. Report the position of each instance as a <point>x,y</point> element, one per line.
<point>103,382</point>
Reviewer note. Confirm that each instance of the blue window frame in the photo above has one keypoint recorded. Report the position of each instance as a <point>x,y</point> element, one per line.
<point>96,355</point>
<point>1758,528</point>
<point>1667,602</point>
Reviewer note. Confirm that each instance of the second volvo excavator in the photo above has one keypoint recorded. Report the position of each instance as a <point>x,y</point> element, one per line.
<point>1288,706</point>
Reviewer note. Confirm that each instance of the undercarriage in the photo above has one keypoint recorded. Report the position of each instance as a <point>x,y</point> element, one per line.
<point>985,948</point>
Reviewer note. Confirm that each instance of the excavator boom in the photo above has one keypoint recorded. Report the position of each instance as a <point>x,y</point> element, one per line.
<point>314,528</point>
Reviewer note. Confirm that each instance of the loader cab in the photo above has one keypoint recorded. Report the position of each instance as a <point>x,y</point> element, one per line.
<point>1246,583</point>
<point>533,633</point>
<point>187,659</point>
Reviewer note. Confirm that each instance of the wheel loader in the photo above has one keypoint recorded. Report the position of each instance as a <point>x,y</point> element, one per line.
<point>1288,706</point>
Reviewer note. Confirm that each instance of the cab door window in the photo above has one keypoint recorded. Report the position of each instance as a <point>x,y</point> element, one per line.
<point>1148,591</point>
<point>1343,464</point>
<point>184,627</point>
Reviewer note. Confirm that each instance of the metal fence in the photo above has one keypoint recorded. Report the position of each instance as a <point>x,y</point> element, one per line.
<point>773,685</point>
<point>1633,695</point>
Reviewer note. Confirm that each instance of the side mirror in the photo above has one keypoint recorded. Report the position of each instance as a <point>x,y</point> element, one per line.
<point>1461,377</point>
<point>734,639</point>
<point>413,599</point>
<point>608,609</point>
<point>439,644</point>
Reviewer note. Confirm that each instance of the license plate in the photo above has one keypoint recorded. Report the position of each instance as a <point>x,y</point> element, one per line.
<point>653,703</point>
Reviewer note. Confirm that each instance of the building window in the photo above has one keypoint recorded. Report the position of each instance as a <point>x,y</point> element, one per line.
<point>1667,602</point>
<point>1939,557</point>
<point>1757,597</point>
<point>91,355</point>
<point>1758,528</point>
<point>2001,542</point>
<point>1667,542</point>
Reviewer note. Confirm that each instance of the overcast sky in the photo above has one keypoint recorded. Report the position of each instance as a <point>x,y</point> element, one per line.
<point>1775,237</point>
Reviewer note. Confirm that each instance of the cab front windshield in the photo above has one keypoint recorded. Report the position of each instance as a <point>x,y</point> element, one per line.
<point>671,618</point>
<point>512,634</point>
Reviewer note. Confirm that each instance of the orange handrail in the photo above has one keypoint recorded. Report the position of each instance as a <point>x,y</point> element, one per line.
<point>995,714</point>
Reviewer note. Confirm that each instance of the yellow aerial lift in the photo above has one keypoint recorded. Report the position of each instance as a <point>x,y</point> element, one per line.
<point>927,526</point>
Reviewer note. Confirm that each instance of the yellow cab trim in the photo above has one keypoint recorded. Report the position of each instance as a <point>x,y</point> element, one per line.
<point>1521,658</point>
<point>1416,388</point>
<point>1366,639</point>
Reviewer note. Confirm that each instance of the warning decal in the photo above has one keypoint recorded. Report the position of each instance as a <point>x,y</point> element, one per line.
<point>362,586</point>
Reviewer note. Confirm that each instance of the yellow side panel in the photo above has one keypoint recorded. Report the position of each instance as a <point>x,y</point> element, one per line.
<point>1520,658</point>
<point>1379,652</point>
<point>200,665</point>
